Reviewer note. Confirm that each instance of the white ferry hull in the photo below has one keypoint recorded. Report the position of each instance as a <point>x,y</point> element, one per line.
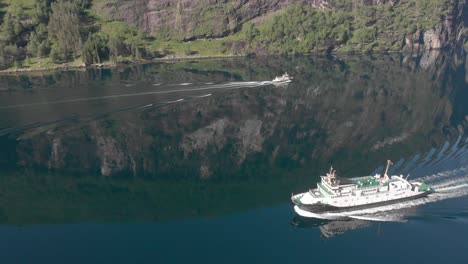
<point>311,210</point>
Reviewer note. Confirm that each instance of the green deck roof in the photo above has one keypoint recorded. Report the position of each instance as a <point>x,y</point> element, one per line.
<point>367,182</point>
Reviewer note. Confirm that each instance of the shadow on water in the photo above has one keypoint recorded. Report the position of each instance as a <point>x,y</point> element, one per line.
<point>161,142</point>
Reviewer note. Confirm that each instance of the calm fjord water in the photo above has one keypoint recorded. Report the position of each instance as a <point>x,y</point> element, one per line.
<point>195,161</point>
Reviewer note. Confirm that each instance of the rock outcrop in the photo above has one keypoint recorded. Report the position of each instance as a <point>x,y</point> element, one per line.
<point>190,19</point>
<point>197,19</point>
<point>447,33</point>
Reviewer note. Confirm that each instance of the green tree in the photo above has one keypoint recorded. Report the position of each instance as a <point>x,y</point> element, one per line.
<point>33,44</point>
<point>251,32</point>
<point>64,30</point>
<point>116,46</point>
<point>95,49</point>
<point>8,28</point>
<point>41,12</point>
<point>55,54</point>
<point>2,57</point>
<point>43,50</point>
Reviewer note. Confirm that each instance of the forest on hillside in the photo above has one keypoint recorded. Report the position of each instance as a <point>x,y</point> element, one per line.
<point>63,31</point>
<point>41,33</point>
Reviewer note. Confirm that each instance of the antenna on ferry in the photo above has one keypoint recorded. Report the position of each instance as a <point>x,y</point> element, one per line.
<point>389,162</point>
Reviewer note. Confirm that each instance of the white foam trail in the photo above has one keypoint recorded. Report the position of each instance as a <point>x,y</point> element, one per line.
<point>454,193</point>
<point>176,101</point>
<point>185,84</point>
<point>145,106</point>
<point>381,218</point>
<point>205,95</point>
<point>249,85</point>
<point>450,183</point>
<point>5,131</point>
<point>318,216</point>
<point>157,84</point>
<point>452,188</point>
<point>439,195</point>
<point>130,84</point>
<point>442,175</point>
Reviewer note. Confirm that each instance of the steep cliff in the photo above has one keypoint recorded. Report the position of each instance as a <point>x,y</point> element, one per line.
<point>409,25</point>
<point>448,30</point>
<point>190,19</point>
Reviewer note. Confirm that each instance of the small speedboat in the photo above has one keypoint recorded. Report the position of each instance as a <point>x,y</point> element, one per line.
<point>283,78</point>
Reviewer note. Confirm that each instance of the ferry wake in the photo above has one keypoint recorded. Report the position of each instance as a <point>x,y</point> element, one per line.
<point>336,194</point>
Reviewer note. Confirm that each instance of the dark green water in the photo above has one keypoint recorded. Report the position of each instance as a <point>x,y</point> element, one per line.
<point>196,161</point>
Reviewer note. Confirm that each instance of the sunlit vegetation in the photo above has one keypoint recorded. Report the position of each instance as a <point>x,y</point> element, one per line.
<point>36,33</point>
<point>358,28</point>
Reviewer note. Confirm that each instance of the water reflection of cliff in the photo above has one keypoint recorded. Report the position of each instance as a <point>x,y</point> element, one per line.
<point>329,228</point>
<point>360,107</point>
<point>339,227</point>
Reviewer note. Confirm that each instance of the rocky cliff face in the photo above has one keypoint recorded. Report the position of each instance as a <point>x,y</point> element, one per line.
<point>195,19</point>
<point>447,33</point>
<point>189,19</point>
<point>192,19</point>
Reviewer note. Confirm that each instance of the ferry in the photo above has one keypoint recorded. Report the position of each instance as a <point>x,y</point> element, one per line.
<point>283,78</point>
<point>336,194</point>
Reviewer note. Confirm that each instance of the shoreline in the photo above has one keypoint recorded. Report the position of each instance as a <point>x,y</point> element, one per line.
<point>108,65</point>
